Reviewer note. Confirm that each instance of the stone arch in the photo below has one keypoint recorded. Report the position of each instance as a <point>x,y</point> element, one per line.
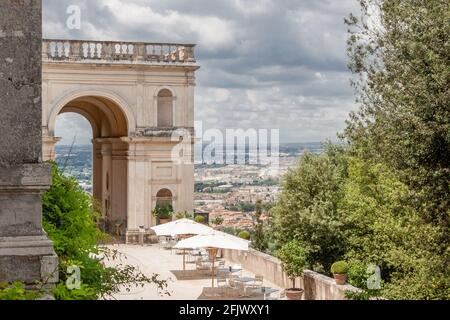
<point>164,194</point>
<point>83,93</point>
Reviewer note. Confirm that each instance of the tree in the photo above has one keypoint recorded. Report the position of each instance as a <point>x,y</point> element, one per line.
<point>259,240</point>
<point>384,230</point>
<point>307,207</point>
<point>294,258</point>
<point>399,53</point>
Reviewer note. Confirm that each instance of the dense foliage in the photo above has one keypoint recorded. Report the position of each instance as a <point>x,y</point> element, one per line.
<point>307,208</point>
<point>163,211</point>
<point>384,198</point>
<point>17,291</point>
<point>259,239</point>
<point>69,216</point>
<point>217,221</point>
<point>400,54</point>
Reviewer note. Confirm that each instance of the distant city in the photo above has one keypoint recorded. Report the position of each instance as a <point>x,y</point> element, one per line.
<point>229,191</point>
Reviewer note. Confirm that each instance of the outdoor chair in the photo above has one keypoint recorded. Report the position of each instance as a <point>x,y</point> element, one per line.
<point>222,281</point>
<point>259,280</point>
<point>232,282</point>
<point>201,265</point>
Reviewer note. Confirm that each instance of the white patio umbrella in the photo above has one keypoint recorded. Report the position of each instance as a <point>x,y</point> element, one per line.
<point>181,227</point>
<point>213,241</point>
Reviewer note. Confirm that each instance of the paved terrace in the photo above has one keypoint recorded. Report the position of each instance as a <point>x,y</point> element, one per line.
<point>154,259</point>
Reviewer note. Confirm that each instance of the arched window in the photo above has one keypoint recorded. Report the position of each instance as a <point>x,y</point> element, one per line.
<point>165,108</point>
<point>164,197</point>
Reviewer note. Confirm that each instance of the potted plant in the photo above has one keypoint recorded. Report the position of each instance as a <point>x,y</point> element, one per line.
<point>200,219</point>
<point>163,212</point>
<point>183,215</point>
<point>339,270</point>
<point>294,259</point>
<point>244,234</point>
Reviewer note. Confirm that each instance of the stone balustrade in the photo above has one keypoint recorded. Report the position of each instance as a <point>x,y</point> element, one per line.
<point>316,286</point>
<point>121,52</point>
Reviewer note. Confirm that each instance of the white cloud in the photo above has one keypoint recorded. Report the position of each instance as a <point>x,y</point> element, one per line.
<point>264,64</point>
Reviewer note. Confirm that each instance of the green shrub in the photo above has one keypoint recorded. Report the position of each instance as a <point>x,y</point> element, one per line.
<point>163,211</point>
<point>217,221</point>
<point>358,277</point>
<point>339,267</point>
<point>183,215</point>
<point>69,218</point>
<point>17,291</point>
<point>244,235</point>
<point>200,219</point>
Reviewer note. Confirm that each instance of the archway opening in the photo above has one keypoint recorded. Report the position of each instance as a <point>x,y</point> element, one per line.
<point>74,150</point>
<point>92,129</point>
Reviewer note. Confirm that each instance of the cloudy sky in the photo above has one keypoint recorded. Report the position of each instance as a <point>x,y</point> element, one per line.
<point>264,63</point>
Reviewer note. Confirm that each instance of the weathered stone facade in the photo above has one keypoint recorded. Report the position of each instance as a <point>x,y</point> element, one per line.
<point>26,253</point>
<point>138,97</point>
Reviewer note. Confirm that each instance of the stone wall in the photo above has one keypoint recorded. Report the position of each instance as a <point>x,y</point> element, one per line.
<point>26,253</point>
<point>316,286</point>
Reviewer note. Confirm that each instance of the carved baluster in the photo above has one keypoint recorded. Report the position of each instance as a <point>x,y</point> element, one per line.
<point>66,50</point>
<point>99,50</point>
<point>191,54</point>
<point>85,52</point>
<point>92,50</point>
<point>59,47</point>
<point>173,53</point>
<point>116,51</point>
<point>76,51</point>
<point>139,52</point>
<point>181,53</point>
<point>107,51</point>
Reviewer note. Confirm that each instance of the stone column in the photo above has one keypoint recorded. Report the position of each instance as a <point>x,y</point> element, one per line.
<point>26,253</point>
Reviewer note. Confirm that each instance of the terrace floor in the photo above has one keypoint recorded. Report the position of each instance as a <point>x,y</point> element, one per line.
<point>154,259</point>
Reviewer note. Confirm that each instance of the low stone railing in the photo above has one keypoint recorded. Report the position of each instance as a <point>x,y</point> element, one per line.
<point>316,285</point>
<point>112,51</point>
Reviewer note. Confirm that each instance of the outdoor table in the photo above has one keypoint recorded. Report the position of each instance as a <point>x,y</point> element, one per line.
<point>265,291</point>
<point>230,270</point>
<point>243,279</point>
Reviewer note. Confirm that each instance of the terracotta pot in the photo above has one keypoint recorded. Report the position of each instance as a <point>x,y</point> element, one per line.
<point>294,294</point>
<point>341,279</point>
<point>164,220</point>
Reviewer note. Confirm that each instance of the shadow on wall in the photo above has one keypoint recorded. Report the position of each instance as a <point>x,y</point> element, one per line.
<point>316,285</point>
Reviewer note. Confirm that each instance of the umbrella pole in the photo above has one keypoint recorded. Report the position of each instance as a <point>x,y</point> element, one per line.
<point>184,259</point>
<point>214,252</point>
